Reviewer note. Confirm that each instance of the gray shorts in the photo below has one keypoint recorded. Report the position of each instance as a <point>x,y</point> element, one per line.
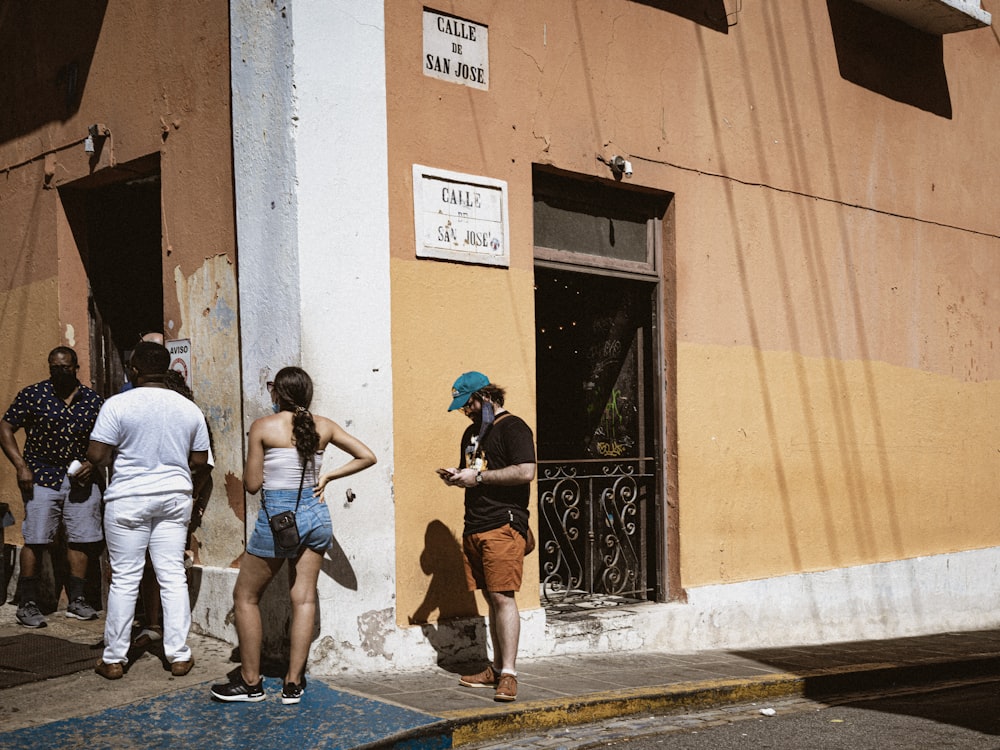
<point>79,509</point>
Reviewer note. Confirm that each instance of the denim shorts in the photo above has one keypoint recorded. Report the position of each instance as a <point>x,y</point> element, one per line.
<point>312,519</point>
<point>77,506</point>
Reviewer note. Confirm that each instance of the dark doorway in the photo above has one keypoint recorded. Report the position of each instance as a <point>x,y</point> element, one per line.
<point>597,433</point>
<point>117,228</point>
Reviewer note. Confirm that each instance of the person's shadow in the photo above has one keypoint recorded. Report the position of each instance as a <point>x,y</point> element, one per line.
<point>457,643</point>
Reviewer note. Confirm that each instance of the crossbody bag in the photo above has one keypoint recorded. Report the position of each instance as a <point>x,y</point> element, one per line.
<point>283,526</point>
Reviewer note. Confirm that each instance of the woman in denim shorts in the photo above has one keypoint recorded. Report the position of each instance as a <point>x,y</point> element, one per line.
<point>284,457</point>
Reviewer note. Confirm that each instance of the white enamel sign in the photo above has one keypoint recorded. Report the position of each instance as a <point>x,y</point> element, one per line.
<point>460,217</point>
<point>456,50</point>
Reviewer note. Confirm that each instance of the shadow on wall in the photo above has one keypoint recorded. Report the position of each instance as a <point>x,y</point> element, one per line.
<point>459,640</point>
<point>46,51</point>
<point>336,565</point>
<point>709,13</point>
<point>890,58</point>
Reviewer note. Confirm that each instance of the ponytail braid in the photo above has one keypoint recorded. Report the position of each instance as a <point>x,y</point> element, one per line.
<point>304,434</point>
<point>295,391</point>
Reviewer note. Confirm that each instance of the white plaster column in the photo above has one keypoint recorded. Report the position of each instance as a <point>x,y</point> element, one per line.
<point>343,229</point>
<point>263,108</point>
<point>309,121</point>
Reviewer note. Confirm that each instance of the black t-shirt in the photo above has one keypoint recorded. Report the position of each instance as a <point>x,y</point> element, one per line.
<point>508,441</point>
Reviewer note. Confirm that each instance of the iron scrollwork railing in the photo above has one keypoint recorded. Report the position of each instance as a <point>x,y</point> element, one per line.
<point>593,520</point>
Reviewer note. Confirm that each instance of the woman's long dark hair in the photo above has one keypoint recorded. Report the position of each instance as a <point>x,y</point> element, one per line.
<point>294,389</point>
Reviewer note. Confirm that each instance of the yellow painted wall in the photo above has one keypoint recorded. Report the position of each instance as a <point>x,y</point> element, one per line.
<point>837,344</point>
<point>440,330</point>
<point>810,463</point>
<point>837,386</point>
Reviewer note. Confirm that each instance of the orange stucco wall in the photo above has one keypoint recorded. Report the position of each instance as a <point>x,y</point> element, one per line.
<point>837,353</point>
<point>158,78</point>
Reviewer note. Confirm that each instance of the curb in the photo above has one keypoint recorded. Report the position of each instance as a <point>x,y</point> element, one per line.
<point>459,728</point>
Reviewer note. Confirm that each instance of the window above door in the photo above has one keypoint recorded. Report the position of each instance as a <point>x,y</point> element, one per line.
<point>592,222</point>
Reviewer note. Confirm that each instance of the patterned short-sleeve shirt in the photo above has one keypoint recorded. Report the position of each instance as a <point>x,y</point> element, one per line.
<point>55,433</point>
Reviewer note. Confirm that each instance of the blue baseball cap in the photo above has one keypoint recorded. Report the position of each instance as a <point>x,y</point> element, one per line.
<point>467,384</point>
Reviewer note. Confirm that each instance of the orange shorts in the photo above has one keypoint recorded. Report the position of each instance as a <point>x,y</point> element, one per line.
<point>494,559</point>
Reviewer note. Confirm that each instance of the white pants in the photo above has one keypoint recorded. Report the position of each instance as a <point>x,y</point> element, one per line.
<point>132,526</point>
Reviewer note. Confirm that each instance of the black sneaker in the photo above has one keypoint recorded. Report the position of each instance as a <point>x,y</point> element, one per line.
<point>238,690</point>
<point>292,692</point>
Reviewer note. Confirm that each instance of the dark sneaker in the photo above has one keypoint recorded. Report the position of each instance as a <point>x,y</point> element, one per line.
<point>30,616</point>
<point>79,609</point>
<point>112,671</point>
<point>506,688</point>
<point>238,690</point>
<point>485,679</point>
<point>292,692</point>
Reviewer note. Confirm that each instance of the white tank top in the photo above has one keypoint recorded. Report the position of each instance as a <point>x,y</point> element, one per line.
<point>283,469</point>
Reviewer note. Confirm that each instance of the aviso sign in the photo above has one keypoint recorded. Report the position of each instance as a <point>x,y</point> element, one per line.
<point>180,357</point>
<point>460,217</point>
<point>456,50</point>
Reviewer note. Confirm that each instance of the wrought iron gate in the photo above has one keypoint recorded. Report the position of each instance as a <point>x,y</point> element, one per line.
<point>593,518</point>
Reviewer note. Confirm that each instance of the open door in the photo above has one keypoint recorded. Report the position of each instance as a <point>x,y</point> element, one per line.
<point>115,218</point>
<point>599,356</point>
<point>596,435</point>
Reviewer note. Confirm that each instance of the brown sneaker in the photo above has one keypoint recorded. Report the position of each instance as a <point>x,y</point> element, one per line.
<point>112,671</point>
<point>485,679</point>
<point>506,688</point>
<point>181,668</point>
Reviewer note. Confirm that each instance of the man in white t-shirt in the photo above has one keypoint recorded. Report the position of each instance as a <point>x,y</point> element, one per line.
<point>161,440</point>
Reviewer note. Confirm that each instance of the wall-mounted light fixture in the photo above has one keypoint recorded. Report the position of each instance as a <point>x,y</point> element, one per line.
<point>97,130</point>
<point>621,164</point>
<point>618,165</point>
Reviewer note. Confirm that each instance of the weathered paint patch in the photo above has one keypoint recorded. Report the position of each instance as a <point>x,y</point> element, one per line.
<point>325,648</point>
<point>373,627</point>
<point>207,301</point>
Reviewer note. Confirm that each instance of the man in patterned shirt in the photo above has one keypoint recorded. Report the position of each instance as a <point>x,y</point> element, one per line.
<point>57,416</point>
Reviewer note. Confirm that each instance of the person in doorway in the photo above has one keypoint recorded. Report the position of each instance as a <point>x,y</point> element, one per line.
<point>161,441</point>
<point>56,480</point>
<point>157,338</point>
<point>497,466</point>
<point>284,454</point>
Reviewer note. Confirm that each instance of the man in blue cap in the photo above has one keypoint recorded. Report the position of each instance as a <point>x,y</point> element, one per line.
<point>496,468</point>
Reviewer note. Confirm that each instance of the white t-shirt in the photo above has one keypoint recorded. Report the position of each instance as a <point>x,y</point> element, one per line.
<point>155,430</point>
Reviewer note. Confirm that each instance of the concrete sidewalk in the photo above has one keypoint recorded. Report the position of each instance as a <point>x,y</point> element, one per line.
<point>151,709</point>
